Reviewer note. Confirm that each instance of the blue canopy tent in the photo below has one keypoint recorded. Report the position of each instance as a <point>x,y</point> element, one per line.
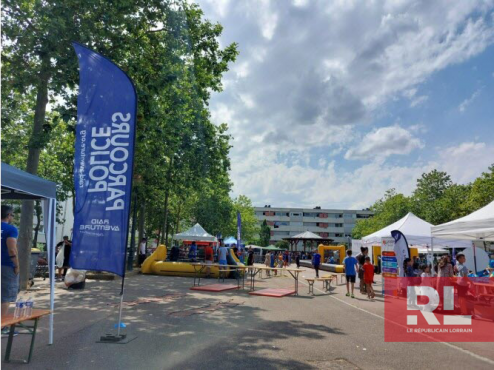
<point>230,240</point>
<point>20,185</point>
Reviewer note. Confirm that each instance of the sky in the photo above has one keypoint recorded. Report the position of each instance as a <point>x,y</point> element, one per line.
<point>331,103</point>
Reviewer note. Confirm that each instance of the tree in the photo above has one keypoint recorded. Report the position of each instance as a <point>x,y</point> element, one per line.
<point>430,188</point>
<point>482,191</point>
<point>387,210</point>
<point>283,244</point>
<point>167,48</point>
<point>264,234</point>
<point>250,228</point>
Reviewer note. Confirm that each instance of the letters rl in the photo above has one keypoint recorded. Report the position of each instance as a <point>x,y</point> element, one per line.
<point>427,309</point>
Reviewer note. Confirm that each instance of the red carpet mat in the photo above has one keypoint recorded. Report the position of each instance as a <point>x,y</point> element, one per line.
<point>278,293</point>
<point>215,287</point>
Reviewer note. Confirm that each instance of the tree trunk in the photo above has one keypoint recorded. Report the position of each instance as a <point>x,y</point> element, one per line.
<point>141,220</point>
<point>165,228</point>
<point>177,225</point>
<point>167,194</point>
<point>27,210</point>
<point>37,207</point>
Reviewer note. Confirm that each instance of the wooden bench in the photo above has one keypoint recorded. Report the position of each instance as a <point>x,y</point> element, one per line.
<point>326,282</point>
<point>9,320</point>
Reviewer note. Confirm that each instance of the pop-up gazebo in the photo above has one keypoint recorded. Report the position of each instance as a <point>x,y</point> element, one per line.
<point>17,184</point>
<point>478,225</point>
<point>417,232</point>
<point>195,234</point>
<point>306,237</point>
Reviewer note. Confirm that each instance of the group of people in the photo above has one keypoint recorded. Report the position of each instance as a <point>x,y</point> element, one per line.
<point>280,260</point>
<point>362,266</point>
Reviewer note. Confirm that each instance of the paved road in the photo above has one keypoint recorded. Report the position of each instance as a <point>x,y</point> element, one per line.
<point>197,330</point>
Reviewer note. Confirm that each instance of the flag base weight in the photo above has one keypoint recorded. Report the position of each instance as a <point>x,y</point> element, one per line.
<point>116,339</point>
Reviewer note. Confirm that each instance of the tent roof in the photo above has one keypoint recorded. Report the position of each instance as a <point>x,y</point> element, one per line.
<point>272,248</point>
<point>416,230</point>
<point>195,233</point>
<point>230,240</point>
<point>478,225</point>
<point>306,235</point>
<point>17,184</point>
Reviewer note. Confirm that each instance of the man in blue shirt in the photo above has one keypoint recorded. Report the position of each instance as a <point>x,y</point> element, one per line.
<point>316,262</point>
<point>193,252</point>
<point>10,261</point>
<point>350,272</point>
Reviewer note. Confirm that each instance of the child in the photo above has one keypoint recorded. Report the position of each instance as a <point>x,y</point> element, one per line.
<point>369,277</point>
<point>426,271</point>
<point>267,263</point>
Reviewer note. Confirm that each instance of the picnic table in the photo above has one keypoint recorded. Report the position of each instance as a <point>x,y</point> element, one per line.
<point>254,270</point>
<point>9,320</point>
<point>200,266</point>
<point>326,281</point>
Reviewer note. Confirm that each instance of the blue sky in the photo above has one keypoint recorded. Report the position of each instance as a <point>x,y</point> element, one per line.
<point>332,103</point>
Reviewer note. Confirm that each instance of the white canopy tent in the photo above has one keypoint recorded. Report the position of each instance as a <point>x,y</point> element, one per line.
<point>478,225</point>
<point>417,232</point>
<point>17,184</point>
<point>195,234</point>
<point>307,235</point>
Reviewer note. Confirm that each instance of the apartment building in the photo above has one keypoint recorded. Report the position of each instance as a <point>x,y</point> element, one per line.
<point>336,224</point>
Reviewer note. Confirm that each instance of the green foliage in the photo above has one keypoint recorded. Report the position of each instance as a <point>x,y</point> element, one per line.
<point>250,228</point>
<point>264,234</point>
<point>387,210</point>
<point>283,244</point>
<point>431,188</point>
<point>482,191</point>
<point>173,56</point>
<point>436,199</point>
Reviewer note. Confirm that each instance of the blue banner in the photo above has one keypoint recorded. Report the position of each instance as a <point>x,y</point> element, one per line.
<point>239,231</point>
<point>401,249</point>
<point>104,154</point>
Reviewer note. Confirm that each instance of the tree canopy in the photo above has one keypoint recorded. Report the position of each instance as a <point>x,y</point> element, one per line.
<point>436,199</point>
<point>173,55</point>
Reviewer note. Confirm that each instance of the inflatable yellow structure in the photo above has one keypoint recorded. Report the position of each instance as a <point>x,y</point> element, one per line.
<point>155,264</point>
<point>323,249</point>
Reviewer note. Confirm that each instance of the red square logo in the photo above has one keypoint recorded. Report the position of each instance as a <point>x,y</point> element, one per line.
<point>432,309</point>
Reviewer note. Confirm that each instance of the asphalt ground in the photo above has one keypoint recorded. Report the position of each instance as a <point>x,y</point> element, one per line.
<point>177,328</point>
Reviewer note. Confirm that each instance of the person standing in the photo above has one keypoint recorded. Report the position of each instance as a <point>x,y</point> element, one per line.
<point>250,257</point>
<point>316,262</point>
<point>66,246</point>
<point>361,260</point>
<point>462,286</point>
<point>272,262</point>
<point>267,262</point>
<point>351,268</point>
<point>193,252</point>
<point>10,260</point>
<point>369,277</point>
<point>222,252</point>
<point>142,250</point>
<point>297,259</point>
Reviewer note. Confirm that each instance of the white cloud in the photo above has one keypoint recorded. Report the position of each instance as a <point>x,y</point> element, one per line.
<point>334,187</point>
<point>312,74</point>
<point>419,100</point>
<point>467,160</point>
<point>384,142</point>
<point>465,103</point>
